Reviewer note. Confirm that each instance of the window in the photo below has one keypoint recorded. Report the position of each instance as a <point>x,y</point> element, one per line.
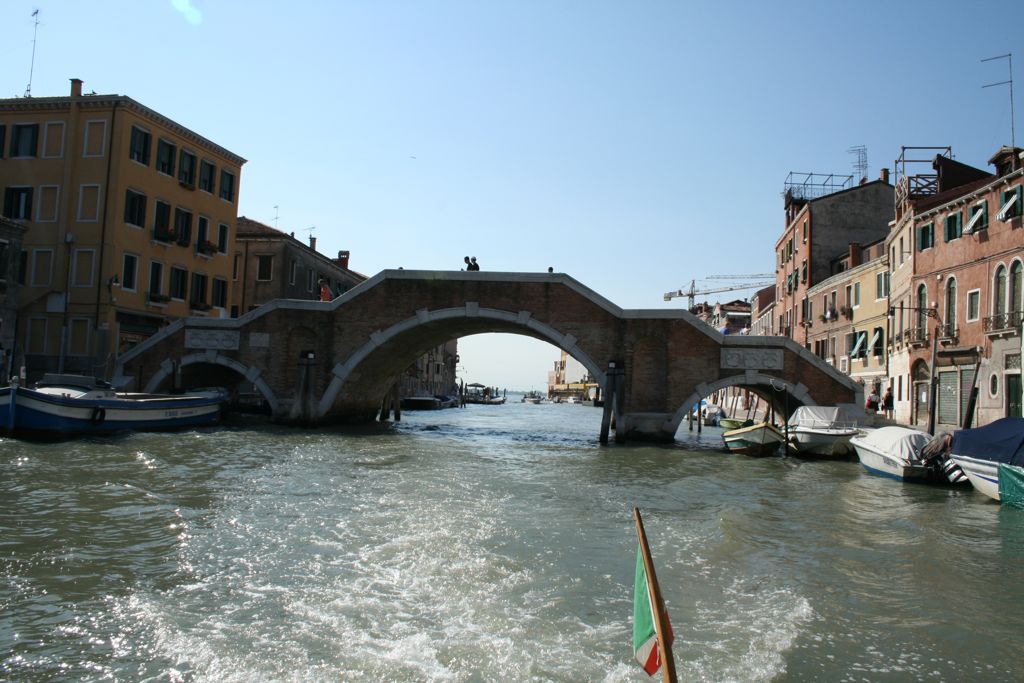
<point>187,169</point>
<point>856,294</point>
<point>1011,204</point>
<point>18,203</point>
<point>24,139</point>
<point>860,344</point>
<point>42,267</point>
<point>78,336</point>
<point>902,250</point>
<point>293,272</point>
<point>203,244</point>
<point>206,171</point>
<point>82,262</point>
<point>95,138</point>
<point>973,305</point>
<point>198,300</point>
<point>36,341</point>
<point>227,186</point>
<point>881,285</point>
<point>234,268</point>
<point>877,341</point>
<point>849,296</point>
<point>264,267</point>
<point>162,222</point>
<point>53,140</point>
<point>134,208</point>
<point>222,238</point>
<point>89,203</point>
<point>156,279</point>
<point>178,284</point>
<point>3,139</point>
<point>978,218</point>
<point>46,207</point>
<point>803,272</point>
<point>138,148</point>
<point>925,236</point>
<point>999,292</point>
<point>219,292</point>
<point>922,309</point>
<point>165,153</point>
<point>183,226</point>
<point>311,280</point>
<point>129,272</point>
<point>1016,287</point>
<point>953,226</point>
<point>950,320</point>
<point>5,255</point>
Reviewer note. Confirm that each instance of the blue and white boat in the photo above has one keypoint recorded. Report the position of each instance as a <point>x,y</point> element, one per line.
<point>61,406</point>
<point>980,451</point>
<point>893,452</point>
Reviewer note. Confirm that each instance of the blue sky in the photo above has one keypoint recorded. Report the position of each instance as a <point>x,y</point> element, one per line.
<point>633,145</point>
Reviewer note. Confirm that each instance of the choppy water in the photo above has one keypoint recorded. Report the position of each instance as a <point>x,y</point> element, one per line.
<point>488,544</point>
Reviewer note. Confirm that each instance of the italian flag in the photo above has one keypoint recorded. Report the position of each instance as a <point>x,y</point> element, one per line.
<point>645,635</point>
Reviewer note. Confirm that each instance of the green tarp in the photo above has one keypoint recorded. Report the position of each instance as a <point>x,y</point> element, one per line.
<point>1011,485</point>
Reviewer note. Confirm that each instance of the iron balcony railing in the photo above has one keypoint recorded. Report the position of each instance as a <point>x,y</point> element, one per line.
<point>1002,323</point>
<point>916,335</point>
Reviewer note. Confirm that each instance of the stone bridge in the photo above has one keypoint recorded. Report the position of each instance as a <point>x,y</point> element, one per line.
<point>331,362</point>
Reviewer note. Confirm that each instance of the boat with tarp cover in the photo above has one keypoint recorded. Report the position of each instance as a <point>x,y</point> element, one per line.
<point>823,431</point>
<point>992,457</point>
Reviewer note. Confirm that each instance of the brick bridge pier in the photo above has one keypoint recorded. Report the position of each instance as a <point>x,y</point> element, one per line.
<point>334,362</point>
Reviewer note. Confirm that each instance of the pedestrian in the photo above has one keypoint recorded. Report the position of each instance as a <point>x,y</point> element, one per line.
<point>325,290</point>
<point>551,269</point>
<point>887,403</point>
<point>872,403</point>
<point>469,266</point>
<point>473,265</point>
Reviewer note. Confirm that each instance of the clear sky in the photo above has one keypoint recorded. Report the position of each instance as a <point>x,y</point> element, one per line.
<point>632,145</point>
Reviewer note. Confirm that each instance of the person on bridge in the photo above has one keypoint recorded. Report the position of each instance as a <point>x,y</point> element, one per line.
<point>469,266</point>
<point>325,290</point>
<point>473,264</point>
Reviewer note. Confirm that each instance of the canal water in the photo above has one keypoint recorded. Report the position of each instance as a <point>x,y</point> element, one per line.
<point>492,543</point>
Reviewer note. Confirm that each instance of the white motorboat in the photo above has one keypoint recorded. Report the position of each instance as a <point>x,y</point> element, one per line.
<point>823,432</point>
<point>908,455</point>
<point>979,452</point>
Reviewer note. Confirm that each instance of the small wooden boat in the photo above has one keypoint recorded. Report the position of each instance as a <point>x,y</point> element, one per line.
<point>62,406</point>
<point>757,440</point>
<point>728,423</point>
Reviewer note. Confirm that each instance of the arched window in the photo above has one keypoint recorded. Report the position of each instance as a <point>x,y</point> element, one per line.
<point>999,294</point>
<point>1015,290</point>
<point>922,309</point>
<point>950,320</point>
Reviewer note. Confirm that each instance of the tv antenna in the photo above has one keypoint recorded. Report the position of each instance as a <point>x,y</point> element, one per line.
<point>275,216</point>
<point>1009,59</point>
<point>32,65</point>
<point>861,165</point>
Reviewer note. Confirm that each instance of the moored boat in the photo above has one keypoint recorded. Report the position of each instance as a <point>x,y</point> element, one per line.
<point>757,440</point>
<point>733,423</point>
<point>533,397</point>
<point>62,406</point>
<point>907,455</point>
<point>979,452</point>
<point>822,432</point>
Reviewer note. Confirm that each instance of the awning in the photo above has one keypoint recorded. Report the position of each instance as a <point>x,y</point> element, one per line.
<point>861,336</point>
<point>969,228</point>
<point>1005,209</point>
<point>874,338</point>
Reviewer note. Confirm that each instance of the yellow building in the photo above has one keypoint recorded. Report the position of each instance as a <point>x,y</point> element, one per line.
<point>130,224</point>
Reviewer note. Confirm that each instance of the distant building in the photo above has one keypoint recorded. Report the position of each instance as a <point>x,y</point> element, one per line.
<point>823,216</point>
<point>762,309</point>
<point>130,225</point>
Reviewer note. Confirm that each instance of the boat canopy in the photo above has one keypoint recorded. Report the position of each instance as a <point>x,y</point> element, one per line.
<point>1000,441</point>
<point>843,416</point>
<point>900,442</point>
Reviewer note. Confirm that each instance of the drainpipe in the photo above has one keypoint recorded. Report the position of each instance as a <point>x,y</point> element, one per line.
<point>103,229</point>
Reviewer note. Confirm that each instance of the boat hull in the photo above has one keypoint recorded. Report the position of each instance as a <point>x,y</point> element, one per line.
<point>51,416</point>
<point>758,440</point>
<point>886,465</point>
<point>821,443</point>
<point>983,474</point>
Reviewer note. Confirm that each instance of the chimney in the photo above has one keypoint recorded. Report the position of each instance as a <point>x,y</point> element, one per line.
<point>854,254</point>
<point>343,259</point>
<point>884,177</point>
<point>76,87</point>
<point>312,243</point>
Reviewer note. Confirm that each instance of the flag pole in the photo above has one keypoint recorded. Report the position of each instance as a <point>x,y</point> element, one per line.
<point>668,664</point>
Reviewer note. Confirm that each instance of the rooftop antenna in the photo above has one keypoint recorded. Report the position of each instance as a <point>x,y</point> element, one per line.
<point>275,216</point>
<point>32,66</point>
<point>1009,58</point>
<point>861,165</point>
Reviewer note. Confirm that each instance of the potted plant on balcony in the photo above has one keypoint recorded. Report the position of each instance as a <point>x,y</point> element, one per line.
<point>206,247</point>
<point>847,312</point>
<point>158,298</point>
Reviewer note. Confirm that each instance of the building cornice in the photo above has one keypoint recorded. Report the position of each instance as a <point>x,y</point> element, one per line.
<point>969,197</point>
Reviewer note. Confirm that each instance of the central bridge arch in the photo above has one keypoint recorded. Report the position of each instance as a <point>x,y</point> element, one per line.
<point>324,362</point>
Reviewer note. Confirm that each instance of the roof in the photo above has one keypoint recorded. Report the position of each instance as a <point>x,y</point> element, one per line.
<point>247,226</point>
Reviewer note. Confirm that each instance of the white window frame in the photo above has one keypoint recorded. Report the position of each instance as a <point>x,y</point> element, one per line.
<point>92,267</point>
<point>967,303</point>
<point>46,137</point>
<point>135,272</point>
<point>149,276</point>
<point>99,203</point>
<point>85,139</point>
<point>856,295</point>
<point>88,338</point>
<point>39,217</point>
<point>33,279</point>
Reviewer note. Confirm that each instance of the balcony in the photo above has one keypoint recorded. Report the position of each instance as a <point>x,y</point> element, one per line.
<point>948,334</point>
<point>206,248</point>
<point>157,298</point>
<point>164,234</point>
<point>1003,324</point>
<point>916,336</point>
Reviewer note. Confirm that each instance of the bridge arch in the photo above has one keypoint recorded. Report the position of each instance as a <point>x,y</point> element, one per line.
<point>494,320</point>
<point>769,384</point>
<point>165,373</point>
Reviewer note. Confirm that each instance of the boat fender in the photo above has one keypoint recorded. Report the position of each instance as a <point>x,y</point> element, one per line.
<point>98,415</point>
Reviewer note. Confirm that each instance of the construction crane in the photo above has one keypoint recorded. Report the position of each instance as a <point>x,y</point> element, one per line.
<point>692,291</point>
